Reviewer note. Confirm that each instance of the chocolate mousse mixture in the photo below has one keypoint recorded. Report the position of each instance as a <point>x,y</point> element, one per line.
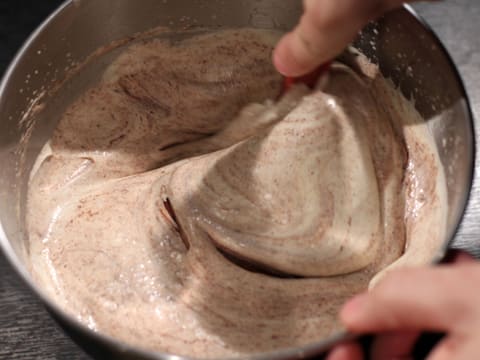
<point>179,207</point>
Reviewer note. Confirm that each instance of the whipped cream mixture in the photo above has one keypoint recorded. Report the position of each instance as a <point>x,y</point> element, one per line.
<point>180,207</point>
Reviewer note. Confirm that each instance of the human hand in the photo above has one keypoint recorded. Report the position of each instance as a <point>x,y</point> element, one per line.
<point>410,301</point>
<point>324,31</point>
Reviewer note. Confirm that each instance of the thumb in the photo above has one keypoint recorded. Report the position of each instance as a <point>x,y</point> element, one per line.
<point>431,299</point>
<point>324,31</point>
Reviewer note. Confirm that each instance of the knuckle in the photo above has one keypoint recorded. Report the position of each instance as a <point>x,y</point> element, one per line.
<point>326,14</point>
<point>308,43</point>
<point>312,5</point>
<point>322,14</point>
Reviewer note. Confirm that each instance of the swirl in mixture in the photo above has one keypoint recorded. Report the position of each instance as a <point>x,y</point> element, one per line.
<point>177,208</point>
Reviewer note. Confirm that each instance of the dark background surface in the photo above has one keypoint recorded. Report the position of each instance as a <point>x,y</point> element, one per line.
<point>26,329</point>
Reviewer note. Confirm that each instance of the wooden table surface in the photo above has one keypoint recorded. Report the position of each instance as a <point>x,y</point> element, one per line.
<point>26,329</point>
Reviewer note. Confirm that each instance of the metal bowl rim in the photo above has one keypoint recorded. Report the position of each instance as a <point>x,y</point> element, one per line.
<point>299,352</point>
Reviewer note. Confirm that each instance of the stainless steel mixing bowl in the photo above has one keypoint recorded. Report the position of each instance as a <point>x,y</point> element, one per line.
<point>38,86</point>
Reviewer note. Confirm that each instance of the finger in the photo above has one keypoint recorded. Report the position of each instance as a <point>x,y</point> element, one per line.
<point>316,39</point>
<point>325,29</point>
<point>455,347</point>
<point>395,345</point>
<point>349,351</point>
<point>413,299</point>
